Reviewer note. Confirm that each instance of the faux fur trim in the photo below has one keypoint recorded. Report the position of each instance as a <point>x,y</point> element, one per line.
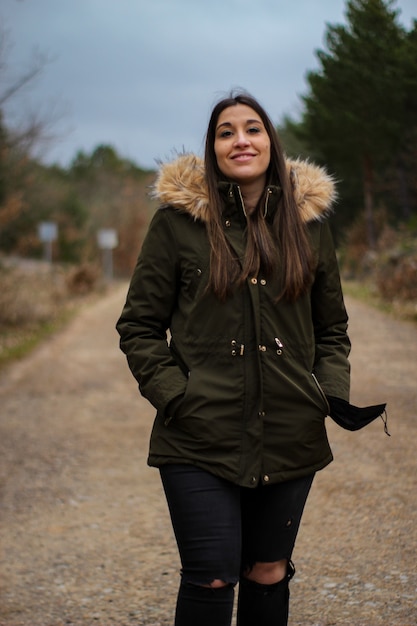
<point>182,184</point>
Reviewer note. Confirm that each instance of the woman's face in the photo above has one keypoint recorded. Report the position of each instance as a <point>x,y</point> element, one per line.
<point>242,145</point>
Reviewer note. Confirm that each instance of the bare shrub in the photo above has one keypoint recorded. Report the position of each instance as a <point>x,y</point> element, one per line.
<point>397,276</point>
<point>391,268</point>
<point>82,279</point>
<point>29,296</point>
<point>35,298</point>
<point>357,260</point>
<point>33,292</point>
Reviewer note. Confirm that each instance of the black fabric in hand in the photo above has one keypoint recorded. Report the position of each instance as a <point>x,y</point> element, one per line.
<point>353,417</point>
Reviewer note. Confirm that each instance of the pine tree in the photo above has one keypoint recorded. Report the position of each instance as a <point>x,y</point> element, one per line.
<point>355,110</point>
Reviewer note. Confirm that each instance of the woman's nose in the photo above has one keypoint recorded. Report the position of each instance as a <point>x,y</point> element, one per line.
<point>241,139</point>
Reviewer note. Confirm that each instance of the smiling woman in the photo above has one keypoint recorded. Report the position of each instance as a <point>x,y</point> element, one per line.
<point>243,149</point>
<point>239,265</point>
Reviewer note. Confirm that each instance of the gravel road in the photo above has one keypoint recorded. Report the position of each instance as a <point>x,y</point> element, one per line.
<point>84,530</point>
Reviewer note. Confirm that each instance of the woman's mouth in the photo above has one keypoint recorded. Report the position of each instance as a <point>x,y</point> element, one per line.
<point>243,157</point>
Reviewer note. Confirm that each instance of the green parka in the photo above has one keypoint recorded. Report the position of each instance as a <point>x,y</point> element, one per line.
<point>248,376</point>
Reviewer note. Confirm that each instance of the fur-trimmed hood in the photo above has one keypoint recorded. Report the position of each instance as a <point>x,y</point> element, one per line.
<point>182,184</point>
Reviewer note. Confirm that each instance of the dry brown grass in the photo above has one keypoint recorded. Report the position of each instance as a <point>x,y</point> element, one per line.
<point>386,275</point>
<point>35,299</point>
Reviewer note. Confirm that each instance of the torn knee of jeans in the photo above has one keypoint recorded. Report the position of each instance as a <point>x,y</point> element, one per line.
<point>214,584</point>
<point>217,583</point>
<point>285,563</point>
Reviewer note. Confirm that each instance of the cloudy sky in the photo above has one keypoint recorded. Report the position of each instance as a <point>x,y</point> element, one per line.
<point>143,75</point>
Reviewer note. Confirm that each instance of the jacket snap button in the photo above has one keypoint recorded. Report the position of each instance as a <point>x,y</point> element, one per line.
<point>261,413</point>
<point>263,281</point>
<point>266,478</point>
<point>227,223</point>
<point>262,348</point>
<point>254,281</point>
<point>253,480</point>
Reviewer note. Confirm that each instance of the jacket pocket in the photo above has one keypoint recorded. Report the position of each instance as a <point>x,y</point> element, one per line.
<point>181,363</point>
<point>322,394</point>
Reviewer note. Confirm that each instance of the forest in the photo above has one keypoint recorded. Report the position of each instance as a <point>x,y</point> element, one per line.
<point>358,119</point>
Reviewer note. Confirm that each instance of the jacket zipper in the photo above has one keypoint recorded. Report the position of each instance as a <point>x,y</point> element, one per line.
<point>323,395</point>
<point>243,203</point>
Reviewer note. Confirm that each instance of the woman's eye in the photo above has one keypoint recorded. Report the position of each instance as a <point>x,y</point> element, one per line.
<point>254,129</point>
<point>226,133</point>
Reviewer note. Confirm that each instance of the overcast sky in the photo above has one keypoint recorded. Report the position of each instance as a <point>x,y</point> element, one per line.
<point>143,75</point>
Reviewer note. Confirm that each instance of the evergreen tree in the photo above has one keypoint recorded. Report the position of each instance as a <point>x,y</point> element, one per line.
<point>406,161</point>
<point>355,110</point>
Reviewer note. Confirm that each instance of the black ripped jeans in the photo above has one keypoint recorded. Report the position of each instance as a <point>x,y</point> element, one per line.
<point>222,530</point>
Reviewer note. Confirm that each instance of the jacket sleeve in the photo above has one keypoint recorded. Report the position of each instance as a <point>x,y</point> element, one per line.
<point>330,321</point>
<point>146,316</point>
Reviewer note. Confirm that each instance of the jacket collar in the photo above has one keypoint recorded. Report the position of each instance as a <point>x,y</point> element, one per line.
<point>181,183</point>
<point>233,201</point>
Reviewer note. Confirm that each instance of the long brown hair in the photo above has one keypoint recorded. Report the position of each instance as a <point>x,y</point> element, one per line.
<point>286,243</point>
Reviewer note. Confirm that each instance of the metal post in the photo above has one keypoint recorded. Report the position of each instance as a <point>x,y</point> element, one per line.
<point>107,241</point>
<point>47,233</point>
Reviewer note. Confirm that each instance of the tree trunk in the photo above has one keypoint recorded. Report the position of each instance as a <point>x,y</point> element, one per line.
<point>368,193</point>
<point>403,189</point>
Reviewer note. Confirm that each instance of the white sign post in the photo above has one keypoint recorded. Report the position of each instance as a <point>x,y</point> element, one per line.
<point>107,240</point>
<point>47,233</point>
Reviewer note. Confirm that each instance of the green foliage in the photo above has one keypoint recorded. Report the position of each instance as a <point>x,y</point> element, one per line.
<point>103,159</point>
<point>292,140</point>
<point>71,218</point>
<point>360,113</point>
<point>357,99</point>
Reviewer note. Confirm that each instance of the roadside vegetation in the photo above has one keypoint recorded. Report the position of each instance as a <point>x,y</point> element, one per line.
<point>358,119</point>
<point>37,299</point>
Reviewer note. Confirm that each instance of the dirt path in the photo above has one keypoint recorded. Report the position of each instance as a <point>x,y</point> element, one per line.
<point>84,530</point>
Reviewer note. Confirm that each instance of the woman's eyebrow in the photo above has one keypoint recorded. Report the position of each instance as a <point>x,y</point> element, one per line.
<point>247,122</point>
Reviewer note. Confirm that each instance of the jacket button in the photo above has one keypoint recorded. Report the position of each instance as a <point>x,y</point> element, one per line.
<point>266,478</point>
<point>263,281</point>
<point>227,223</point>
<point>262,348</point>
<point>261,414</point>
<point>254,281</point>
<point>253,480</point>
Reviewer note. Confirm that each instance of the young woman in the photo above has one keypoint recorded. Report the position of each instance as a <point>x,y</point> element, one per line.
<point>239,265</point>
